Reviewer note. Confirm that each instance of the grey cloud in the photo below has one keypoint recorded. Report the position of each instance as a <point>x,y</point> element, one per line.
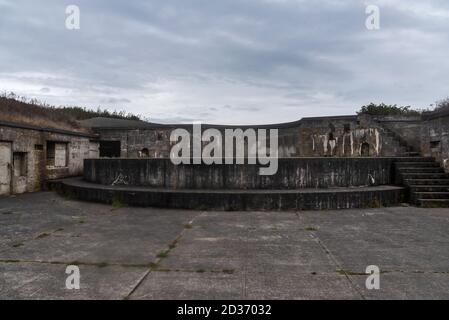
<point>112,100</point>
<point>263,60</point>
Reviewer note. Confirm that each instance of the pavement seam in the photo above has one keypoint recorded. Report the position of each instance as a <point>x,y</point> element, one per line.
<point>333,259</point>
<point>39,236</point>
<point>79,263</point>
<point>158,260</point>
<point>245,265</point>
<point>225,271</point>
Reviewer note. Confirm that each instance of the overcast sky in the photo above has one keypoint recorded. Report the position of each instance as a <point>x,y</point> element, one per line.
<point>226,61</point>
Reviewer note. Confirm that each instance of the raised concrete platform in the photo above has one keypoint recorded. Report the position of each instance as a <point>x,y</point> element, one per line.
<point>232,200</point>
<point>293,173</point>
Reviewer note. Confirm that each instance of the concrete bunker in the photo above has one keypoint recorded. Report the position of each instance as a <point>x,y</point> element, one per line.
<point>31,155</point>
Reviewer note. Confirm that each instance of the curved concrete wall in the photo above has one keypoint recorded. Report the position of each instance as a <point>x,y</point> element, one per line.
<point>293,173</point>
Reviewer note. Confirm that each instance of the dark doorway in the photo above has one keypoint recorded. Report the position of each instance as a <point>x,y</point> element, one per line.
<point>365,150</point>
<point>144,153</point>
<point>109,149</point>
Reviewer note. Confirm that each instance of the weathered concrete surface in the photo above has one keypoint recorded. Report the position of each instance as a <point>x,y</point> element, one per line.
<point>343,136</point>
<point>232,200</point>
<point>293,173</point>
<point>219,255</point>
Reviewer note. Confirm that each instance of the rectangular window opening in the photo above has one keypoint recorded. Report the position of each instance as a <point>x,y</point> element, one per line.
<point>20,164</point>
<point>56,154</point>
<point>434,144</point>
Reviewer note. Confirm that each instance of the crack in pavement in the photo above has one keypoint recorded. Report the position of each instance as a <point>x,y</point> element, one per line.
<point>159,259</point>
<point>332,258</point>
<point>154,267</point>
<point>79,263</point>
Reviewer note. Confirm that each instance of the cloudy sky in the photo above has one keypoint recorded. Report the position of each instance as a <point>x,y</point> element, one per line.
<point>226,61</point>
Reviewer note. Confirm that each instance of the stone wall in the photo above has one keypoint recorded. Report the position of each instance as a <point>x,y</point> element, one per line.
<point>133,141</point>
<point>346,136</point>
<point>405,128</point>
<point>324,136</point>
<point>340,136</point>
<point>155,142</point>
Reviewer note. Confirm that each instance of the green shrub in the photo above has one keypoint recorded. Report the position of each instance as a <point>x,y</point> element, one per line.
<point>388,110</point>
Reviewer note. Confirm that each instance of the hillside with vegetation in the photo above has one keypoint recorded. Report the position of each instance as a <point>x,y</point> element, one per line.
<point>18,109</point>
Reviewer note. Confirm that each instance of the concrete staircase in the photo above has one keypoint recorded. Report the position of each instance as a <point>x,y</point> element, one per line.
<point>397,143</point>
<point>426,180</point>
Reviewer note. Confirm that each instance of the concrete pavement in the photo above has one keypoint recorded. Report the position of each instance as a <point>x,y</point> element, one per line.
<point>145,253</point>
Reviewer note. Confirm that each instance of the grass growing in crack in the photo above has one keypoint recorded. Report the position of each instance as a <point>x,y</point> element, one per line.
<point>163,254</point>
<point>10,261</point>
<point>43,235</point>
<point>102,264</point>
<point>311,229</point>
<point>188,226</point>
<point>434,205</point>
<point>228,271</point>
<point>68,194</point>
<point>79,263</point>
<point>200,271</point>
<point>375,203</point>
<point>116,204</point>
<point>350,273</point>
<point>173,245</point>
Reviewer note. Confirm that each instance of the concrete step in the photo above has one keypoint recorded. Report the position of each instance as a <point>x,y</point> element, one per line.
<point>429,188</point>
<point>431,195</point>
<point>434,203</point>
<point>421,170</point>
<point>233,199</point>
<point>415,159</point>
<point>426,182</point>
<point>412,153</point>
<point>408,176</point>
<point>417,164</point>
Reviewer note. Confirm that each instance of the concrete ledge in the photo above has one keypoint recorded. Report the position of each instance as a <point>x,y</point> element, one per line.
<point>232,200</point>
